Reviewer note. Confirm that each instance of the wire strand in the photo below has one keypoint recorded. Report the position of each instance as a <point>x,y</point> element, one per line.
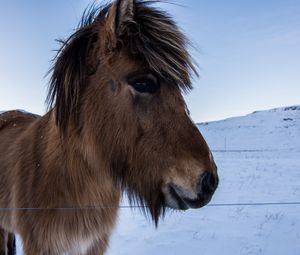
<point>254,204</point>
<point>74,208</point>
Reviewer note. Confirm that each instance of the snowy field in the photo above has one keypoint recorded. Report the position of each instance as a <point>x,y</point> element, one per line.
<point>258,158</point>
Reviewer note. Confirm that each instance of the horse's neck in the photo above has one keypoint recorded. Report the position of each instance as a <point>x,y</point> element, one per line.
<point>76,151</point>
<point>76,161</point>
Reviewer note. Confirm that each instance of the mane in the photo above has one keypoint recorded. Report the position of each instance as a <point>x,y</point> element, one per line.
<point>160,43</point>
<point>154,39</point>
<point>71,67</point>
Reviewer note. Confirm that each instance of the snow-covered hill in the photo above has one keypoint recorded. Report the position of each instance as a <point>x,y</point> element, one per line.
<point>258,158</point>
<point>276,129</point>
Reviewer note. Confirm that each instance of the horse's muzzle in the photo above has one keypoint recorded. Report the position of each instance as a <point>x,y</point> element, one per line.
<point>180,198</point>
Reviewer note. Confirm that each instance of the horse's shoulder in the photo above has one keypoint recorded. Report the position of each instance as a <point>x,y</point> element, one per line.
<point>16,117</point>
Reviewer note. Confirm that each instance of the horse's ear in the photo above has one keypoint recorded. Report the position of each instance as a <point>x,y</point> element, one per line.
<point>119,19</point>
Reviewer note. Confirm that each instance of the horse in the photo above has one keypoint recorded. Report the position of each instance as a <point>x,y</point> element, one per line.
<point>116,122</point>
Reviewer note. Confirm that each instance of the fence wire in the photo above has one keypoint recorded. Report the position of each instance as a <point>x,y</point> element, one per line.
<point>97,207</point>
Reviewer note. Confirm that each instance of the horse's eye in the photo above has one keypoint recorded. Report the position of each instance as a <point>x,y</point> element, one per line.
<point>144,84</point>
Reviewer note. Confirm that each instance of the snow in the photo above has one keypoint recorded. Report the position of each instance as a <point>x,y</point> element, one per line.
<point>276,129</point>
<point>258,158</point>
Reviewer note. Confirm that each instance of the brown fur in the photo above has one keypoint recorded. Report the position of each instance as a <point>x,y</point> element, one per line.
<point>100,137</point>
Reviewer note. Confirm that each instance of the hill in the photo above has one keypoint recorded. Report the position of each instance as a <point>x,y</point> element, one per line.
<point>276,129</point>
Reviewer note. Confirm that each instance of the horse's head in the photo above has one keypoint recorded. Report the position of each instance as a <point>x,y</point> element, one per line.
<point>118,82</point>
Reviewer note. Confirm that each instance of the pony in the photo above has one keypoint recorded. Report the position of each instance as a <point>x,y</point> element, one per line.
<point>116,122</point>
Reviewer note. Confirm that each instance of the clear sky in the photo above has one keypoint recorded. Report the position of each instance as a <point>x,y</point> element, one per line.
<point>248,52</point>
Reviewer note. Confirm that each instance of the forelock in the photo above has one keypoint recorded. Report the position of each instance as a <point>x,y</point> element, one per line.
<point>156,39</point>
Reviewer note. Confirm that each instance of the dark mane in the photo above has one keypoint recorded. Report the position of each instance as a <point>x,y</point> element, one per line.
<point>161,44</point>
<point>72,67</point>
<point>154,39</point>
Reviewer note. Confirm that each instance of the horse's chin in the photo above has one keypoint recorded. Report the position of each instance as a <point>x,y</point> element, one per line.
<point>174,201</point>
<point>183,205</point>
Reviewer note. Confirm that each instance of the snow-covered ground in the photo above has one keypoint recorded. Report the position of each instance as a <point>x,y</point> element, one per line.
<point>258,158</point>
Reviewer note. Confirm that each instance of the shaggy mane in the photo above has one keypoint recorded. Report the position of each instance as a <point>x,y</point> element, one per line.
<point>153,38</point>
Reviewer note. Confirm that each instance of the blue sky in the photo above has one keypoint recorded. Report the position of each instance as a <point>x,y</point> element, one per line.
<point>248,52</point>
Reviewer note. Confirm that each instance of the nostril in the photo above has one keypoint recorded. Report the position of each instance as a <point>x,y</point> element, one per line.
<point>208,183</point>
